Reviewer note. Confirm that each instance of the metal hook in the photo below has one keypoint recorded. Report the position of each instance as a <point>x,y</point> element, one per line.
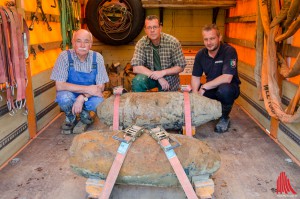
<point>18,104</point>
<point>34,18</point>
<point>32,51</point>
<point>12,88</point>
<point>8,105</point>
<point>24,102</point>
<point>9,3</point>
<point>41,48</point>
<point>54,6</point>
<point>11,113</point>
<point>25,112</point>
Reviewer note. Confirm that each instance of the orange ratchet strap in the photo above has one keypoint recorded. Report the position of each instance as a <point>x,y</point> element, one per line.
<point>163,137</point>
<point>187,109</point>
<point>117,91</point>
<point>130,135</point>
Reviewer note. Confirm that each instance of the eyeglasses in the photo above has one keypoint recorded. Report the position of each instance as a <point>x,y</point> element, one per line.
<point>85,42</point>
<point>152,27</point>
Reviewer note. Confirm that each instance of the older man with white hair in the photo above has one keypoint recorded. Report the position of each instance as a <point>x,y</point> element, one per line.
<point>80,76</point>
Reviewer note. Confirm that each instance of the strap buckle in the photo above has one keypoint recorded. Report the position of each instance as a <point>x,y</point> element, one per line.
<point>131,131</point>
<point>119,90</point>
<point>160,134</point>
<point>185,88</point>
<point>11,110</point>
<point>20,104</point>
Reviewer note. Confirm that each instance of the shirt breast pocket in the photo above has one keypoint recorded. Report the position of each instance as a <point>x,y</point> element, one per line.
<point>217,69</point>
<point>166,59</point>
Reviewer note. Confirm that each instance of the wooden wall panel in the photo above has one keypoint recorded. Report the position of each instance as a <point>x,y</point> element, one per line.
<point>13,147</point>
<point>13,131</point>
<point>12,136</point>
<point>41,34</point>
<point>44,99</point>
<point>288,134</point>
<point>43,61</point>
<point>241,30</point>
<point>296,39</point>
<point>247,7</point>
<point>114,54</point>
<point>252,111</point>
<point>10,123</point>
<point>51,114</point>
<point>246,55</point>
<point>186,25</point>
<point>288,91</point>
<point>289,144</point>
<point>45,92</point>
<point>41,79</point>
<point>31,6</point>
<point>188,3</point>
<point>249,97</point>
<point>251,94</point>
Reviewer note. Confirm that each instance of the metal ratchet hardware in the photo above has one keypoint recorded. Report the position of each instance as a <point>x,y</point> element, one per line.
<point>119,90</point>
<point>131,131</point>
<point>35,18</point>
<point>159,134</point>
<point>185,88</point>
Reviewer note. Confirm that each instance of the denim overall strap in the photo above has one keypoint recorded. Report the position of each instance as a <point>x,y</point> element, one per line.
<point>94,64</point>
<point>71,62</point>
<point>82,78</point>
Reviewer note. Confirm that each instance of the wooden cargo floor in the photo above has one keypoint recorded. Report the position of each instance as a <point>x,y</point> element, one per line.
<point>250,165</point>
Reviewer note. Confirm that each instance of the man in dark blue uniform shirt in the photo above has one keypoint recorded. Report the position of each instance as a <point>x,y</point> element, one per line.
<point>218,61</point>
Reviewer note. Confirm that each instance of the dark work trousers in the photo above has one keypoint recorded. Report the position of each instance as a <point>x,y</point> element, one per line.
<point>226,94</point>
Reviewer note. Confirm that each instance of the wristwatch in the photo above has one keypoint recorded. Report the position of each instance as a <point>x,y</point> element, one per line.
<point>85,98</point>
<point>203,88</point>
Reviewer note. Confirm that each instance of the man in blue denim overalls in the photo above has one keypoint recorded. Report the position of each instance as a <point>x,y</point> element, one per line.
<point>80,76</point>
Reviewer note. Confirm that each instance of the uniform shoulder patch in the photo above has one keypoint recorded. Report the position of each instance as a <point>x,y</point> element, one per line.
<point>233,63</point>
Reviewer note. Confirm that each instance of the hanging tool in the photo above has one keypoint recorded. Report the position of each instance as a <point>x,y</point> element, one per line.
<point>41,48</point>
<point>67,20</point>
<point>32,51</point>
<point>35,18</point>
<point>54,6</point>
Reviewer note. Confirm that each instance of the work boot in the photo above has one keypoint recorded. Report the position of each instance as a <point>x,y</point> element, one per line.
<point>222,125</point>
<point>69,122</point>
<point>85,117</point>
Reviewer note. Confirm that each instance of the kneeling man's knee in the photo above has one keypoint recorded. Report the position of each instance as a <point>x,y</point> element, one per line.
<point>139,83</point>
